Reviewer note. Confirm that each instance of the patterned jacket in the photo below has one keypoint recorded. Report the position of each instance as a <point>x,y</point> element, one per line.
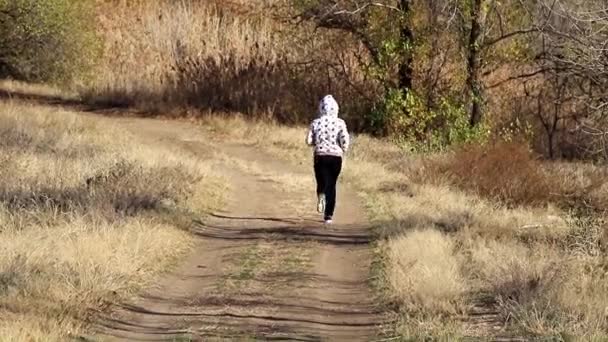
<point>328,133</point>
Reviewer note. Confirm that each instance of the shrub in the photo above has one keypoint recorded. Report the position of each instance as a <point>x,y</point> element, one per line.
<point>406,118</point>
<point>504,171</point>
<point>46,40</point>
<point>511,173</point>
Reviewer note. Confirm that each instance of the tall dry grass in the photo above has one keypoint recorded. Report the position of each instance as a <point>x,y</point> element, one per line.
<point>84,217</point>
<point>196,56</point>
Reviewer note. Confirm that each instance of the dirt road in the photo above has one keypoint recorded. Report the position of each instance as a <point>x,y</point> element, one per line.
<point>263,268</point>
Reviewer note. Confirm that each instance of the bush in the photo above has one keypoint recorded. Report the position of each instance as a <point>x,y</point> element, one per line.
<point>406,118</point>
<point>511,173</point>
<point>506,171</point>
<point>46,40</point>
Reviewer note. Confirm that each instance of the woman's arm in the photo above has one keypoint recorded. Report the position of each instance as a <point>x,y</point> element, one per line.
<point>310,138</point>
<point>344,137</point>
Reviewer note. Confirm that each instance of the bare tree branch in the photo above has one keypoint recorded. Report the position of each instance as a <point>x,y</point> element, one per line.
<point>519,77</point>
<point>506,36</point>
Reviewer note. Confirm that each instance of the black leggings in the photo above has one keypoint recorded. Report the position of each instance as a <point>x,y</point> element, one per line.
<point>327,170</point>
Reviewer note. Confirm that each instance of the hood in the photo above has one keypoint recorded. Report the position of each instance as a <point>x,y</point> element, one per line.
<point>328,107</point>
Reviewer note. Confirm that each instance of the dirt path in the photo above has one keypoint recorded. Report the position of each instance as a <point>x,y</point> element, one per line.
<point>264,268</point>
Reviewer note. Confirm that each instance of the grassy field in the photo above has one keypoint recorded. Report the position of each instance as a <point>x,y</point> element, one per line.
<point>85,217</point>
<point>90,214</point>
<point>463,232</point>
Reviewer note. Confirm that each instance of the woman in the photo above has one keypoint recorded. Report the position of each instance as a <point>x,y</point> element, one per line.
<point>329,136</point>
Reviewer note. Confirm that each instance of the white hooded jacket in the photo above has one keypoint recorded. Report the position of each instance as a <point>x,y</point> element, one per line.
<point>328,133</point>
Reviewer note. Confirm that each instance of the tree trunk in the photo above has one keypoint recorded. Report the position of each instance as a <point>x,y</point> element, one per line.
<point>406,71</point>
<point>473,63</point>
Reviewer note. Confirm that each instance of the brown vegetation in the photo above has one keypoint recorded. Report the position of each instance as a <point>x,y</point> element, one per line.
<point>274,59</point>
<point>491,227</point>
<point>84,217</point>
<point>208,57</point>
<point>513,174</point>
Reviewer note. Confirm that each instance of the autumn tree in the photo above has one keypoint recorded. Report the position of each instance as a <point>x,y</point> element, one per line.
<point>574,47</point>
<point>381,27</point>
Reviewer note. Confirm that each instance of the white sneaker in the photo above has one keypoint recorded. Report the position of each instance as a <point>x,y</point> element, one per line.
<point>321,204</point>
<point>329,221</point>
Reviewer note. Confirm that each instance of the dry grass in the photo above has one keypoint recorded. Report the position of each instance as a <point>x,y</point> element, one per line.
<point>9,87</point>
<point>202,56</point>
<point>424,272</point>
<point>525,259</point>
<point>171,40</point>
<point>449,234</point>
<point>455,228</point>
<point>84,212</point>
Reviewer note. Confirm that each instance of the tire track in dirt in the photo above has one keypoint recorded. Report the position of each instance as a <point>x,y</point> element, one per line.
<point>323,296</point>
